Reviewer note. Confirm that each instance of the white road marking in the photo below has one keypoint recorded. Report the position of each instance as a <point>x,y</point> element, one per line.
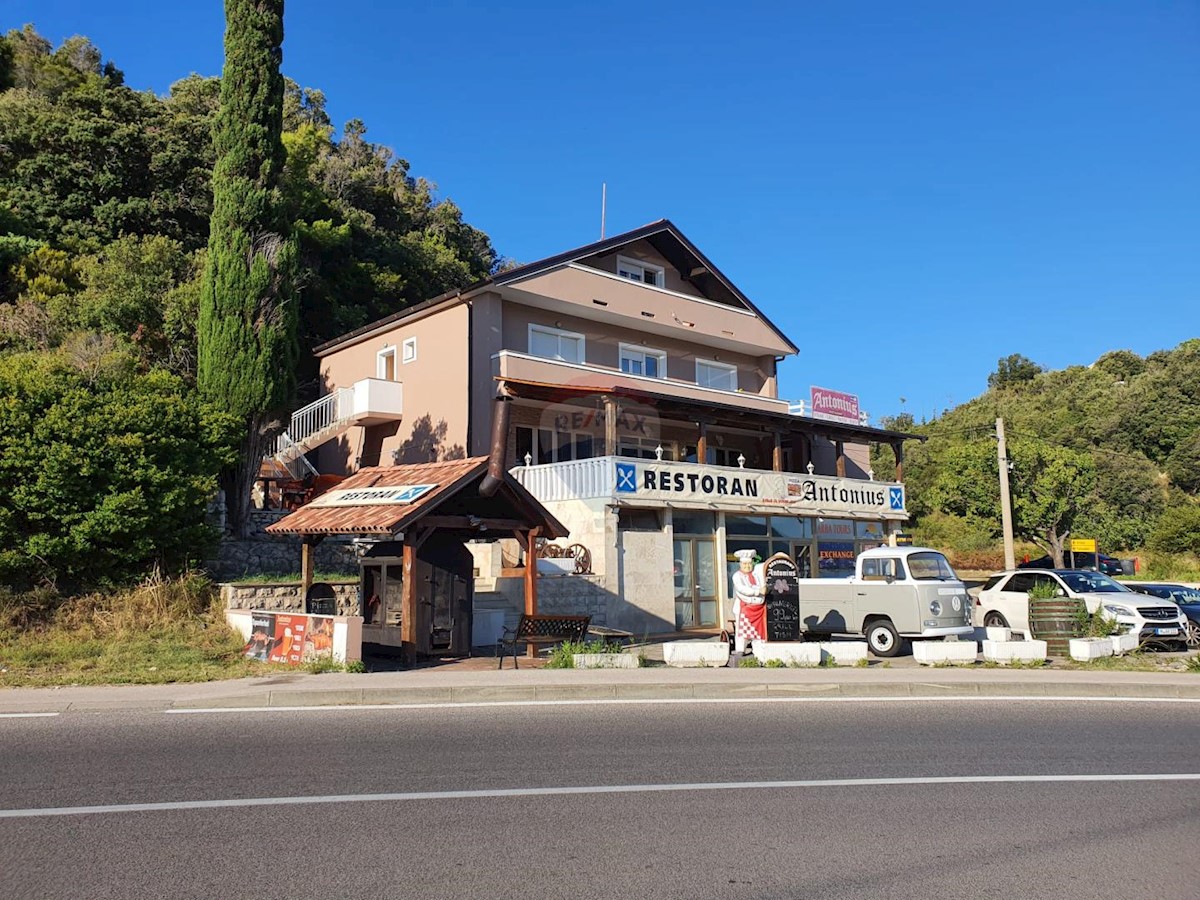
<point>582,789</point>
<point>740,701</point>
<point>33,715</point>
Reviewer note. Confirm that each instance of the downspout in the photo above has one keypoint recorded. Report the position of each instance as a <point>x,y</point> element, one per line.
<point>499,452</point>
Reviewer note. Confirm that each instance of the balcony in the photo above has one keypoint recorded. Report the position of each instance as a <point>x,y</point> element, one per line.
<point>376,401</point>
<point>509,364</point>
<point>625,481</point>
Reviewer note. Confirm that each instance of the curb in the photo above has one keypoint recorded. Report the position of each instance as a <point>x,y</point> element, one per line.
<point>632,693</point>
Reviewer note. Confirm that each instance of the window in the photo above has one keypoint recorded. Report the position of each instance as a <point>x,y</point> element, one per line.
<point>721,376</point>
<point>882,569</point>
<point>408,350</point>
<point>644,448</point>
<point>545,445</point>
<point>930,566</point>
<point>643,361</point>
<point>385,364</point>
<point>553,343</point>
<point>636,270</point>
<point>726,456</point>
<point>638,520</point>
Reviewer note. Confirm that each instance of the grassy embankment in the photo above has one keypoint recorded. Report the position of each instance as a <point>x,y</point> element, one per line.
<point>164,630</point>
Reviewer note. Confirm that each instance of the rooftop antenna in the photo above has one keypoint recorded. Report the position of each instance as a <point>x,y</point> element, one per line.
<point>603,204</point>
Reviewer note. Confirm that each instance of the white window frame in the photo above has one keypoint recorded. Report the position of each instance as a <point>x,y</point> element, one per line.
<point>558,333</point>
<point>381,363</point>
<point>408,351</point>
<point>635,350</point>
<point>716,364</point>
<point>631,264</point>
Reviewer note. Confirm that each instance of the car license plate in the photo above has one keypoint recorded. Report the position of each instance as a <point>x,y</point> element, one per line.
<point>1166,631</point>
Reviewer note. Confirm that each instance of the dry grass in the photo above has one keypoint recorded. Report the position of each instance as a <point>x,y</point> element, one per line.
<point>164,630</point>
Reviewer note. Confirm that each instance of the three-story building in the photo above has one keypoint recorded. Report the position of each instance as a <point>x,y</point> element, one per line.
<point>644,412</point>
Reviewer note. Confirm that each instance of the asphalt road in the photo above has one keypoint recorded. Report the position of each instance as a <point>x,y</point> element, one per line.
<point>498,836</point>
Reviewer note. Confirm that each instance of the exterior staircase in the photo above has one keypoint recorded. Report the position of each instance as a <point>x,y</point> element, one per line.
<point>367,402</point>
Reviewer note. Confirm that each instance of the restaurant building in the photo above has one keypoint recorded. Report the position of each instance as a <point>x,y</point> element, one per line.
<point>638,402</point>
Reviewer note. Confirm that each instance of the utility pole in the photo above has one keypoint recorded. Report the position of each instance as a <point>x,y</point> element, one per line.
<point>1010,556</point>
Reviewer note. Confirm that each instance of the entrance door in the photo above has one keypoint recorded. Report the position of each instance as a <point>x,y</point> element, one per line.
<point>695,582</point>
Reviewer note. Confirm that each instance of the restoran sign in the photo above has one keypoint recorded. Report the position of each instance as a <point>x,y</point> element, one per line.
<point>738,489</point>
<point>374,496</point>
<point>827,404</point>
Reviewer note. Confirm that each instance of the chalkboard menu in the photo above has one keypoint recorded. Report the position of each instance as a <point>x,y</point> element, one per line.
<point>783,599</point>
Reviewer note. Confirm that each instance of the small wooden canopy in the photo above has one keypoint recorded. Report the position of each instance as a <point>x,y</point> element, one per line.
<point>411,503</point>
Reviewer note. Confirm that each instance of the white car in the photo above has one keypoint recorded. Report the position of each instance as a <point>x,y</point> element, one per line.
<point>1004,602</point>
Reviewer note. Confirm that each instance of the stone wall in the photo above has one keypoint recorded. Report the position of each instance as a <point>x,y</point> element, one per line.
<point>276,554</point>
<point>580,595</point>
<point>286,597</point>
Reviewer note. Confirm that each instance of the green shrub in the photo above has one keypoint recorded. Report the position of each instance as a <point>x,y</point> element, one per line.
<point>1178,530</point>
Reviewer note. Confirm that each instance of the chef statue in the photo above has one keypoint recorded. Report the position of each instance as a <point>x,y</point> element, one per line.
<point>749,602</point>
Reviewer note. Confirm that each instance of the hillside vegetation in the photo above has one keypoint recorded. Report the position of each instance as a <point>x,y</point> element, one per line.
<point>108,453</point>
<point>1110,451</point>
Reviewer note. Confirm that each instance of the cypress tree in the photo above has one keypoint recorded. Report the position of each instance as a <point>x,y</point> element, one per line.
<point>248,311</point>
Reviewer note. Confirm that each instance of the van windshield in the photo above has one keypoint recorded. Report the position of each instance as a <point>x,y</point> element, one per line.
<point>929,566</point>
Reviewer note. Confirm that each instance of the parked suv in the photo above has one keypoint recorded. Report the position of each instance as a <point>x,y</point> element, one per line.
<point>1186,598</point>
<point>1004,601</point>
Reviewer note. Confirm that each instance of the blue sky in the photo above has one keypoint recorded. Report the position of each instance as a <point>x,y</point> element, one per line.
<point>910,190</point>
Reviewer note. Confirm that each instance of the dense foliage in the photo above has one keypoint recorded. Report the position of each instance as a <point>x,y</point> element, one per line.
<point>1110,451</point>
<point>247,332</point>
<point>105,203</point>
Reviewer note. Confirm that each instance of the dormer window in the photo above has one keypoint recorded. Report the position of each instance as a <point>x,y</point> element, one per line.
<point>643,272</point>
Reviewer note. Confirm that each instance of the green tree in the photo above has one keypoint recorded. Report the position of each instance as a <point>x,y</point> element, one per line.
<point>1013,370</point>
<point>248,311</point>
<point>1178,530</point>
<point>101,476</point>
<point>1050,487</point>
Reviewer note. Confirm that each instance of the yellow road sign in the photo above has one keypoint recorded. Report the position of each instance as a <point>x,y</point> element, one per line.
<point>1083,545</point>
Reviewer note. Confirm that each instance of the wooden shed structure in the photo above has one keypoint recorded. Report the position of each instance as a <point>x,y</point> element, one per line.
<point>418,573</point>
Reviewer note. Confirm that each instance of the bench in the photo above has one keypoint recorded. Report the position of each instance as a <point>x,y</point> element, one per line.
<point>538,629</point>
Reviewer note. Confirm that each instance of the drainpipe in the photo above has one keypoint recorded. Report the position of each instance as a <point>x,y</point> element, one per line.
<point>499,453</point>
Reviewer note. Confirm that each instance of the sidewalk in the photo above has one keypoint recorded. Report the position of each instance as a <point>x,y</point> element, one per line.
<point>449,684</point>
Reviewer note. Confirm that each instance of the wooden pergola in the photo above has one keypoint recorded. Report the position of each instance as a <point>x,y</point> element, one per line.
<point>411,504</point>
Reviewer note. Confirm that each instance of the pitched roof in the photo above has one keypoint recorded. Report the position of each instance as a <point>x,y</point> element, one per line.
<point>443,480</point>
<point>666,237</point>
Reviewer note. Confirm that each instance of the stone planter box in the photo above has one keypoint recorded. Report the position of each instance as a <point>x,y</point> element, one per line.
<point>791,653</point>
<point>1124,643</point>
<point>692,654</point>
<point>1086,649</point>
<point>844,653</point>
<point>958,653</point>
<point>998,634</point>
<point>556,566</point>
<point>605,661</point>
<point>1008,651</point>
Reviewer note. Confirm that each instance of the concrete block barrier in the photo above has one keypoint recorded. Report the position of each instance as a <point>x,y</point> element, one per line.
<point>1009,651</point>
<point>605,661</point>
<point>692,654</point>
<point>1087,649</point>
<point>957,653</point>
<point>791,653</point>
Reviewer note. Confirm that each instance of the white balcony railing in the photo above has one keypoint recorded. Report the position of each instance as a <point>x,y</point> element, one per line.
<point>622,480</point>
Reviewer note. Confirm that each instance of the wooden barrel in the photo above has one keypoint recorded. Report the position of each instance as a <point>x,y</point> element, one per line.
<point>1056,621</point>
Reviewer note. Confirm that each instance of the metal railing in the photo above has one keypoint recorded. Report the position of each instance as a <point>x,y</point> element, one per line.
<point>324,412</point>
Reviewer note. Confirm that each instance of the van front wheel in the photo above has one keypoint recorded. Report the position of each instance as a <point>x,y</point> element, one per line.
<point>882,638</point>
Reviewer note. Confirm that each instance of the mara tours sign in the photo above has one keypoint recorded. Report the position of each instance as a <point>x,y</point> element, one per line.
<point>739,489</point>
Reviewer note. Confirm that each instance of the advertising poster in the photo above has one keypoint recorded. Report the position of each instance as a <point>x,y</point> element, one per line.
<point>288,646</point>
<point>318,639</point>
<point>262,635</point>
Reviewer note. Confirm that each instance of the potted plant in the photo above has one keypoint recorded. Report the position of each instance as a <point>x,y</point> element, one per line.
<point>1097,634</point>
